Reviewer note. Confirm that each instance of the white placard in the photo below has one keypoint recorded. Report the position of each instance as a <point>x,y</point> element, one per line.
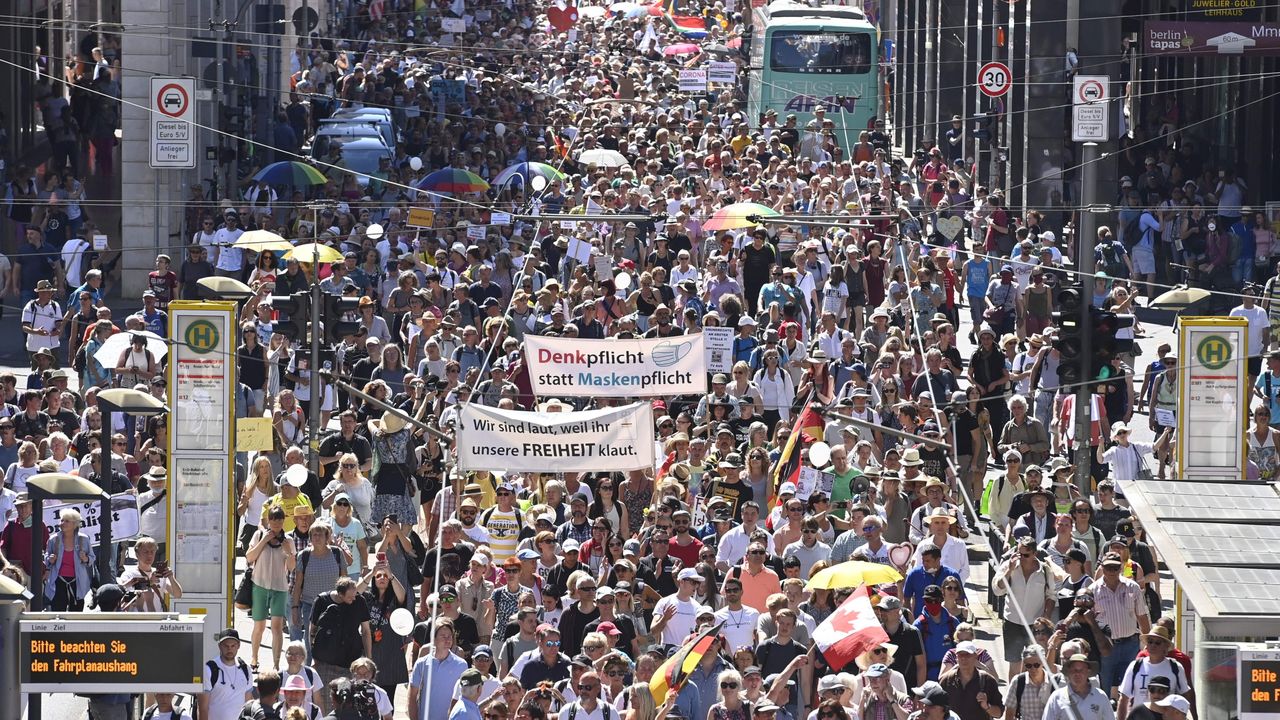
<point>173,140</point>
<point>124,518</point>
<point>511,440</point>
<point>693,80</point>
<point>99,243</point>
<point>500,218</point>
<point>649,367</point>
<point>603,267</point>
<point>721,72</point>
<point>453,25</point>
<point>477,232</point>
<point>579,250</point>
<point>719,348</point>
<point>809,482</point>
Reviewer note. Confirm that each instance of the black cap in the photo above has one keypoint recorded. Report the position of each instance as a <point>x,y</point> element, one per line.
<point>227,634</point>
<point>107,597</point>
<point>933,591</point>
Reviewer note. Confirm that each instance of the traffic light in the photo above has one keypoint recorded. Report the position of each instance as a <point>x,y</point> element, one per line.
<point>982,125</point>
<point>1070,336</point>
<point>335,307</point>
<point>1105,343</point>
<point>293,312</point>
<point>233,120</point>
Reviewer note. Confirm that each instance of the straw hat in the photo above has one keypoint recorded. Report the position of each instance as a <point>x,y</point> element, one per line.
<point>389,423</point>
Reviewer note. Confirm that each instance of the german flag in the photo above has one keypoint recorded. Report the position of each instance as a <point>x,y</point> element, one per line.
<point>561,148</point>
<point>673,673</point>
<point>808,422</point>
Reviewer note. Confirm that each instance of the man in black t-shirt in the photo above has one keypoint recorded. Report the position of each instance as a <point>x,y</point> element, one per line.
<point>757,259</point>
<point>346,440</point>
<point>339,627</point>
<point>909,658</point>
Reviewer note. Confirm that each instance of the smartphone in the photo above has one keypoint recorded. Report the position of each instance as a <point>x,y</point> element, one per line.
<point>382,558</point>
<point>162,568</point>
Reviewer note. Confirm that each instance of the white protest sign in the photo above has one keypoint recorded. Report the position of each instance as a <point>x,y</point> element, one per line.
<point>500,218</point>
<point>810,481</point>
<point>719,348</point>
<point>721,72</point>
<point>453,25</point>
<point>124,517</point>
<point>603,267</point>
<point>511,440</point>
<point>579,250</point>
<point>649,367</point>
<point>477,232</point>
<point>693,80</point>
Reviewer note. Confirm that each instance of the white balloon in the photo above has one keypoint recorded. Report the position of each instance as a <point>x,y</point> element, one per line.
<point>402,621</point>
<point>415,163</point>
<point>500,129</point>
<point>538,183</point>
<point>819,454</point>
<point>296,475</point>
<point>622,281</point>
<point>374,232</point>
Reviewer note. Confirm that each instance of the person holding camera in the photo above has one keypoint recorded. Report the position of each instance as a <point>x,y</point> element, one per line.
<point>154,583</point>
<point>272,558</point>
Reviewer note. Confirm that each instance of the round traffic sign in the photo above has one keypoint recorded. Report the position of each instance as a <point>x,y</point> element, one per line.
<point>1091,91</point>
<point>994,79</point>
<point>172,100</point>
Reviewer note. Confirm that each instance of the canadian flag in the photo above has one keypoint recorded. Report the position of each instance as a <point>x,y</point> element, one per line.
<point>849,631</point>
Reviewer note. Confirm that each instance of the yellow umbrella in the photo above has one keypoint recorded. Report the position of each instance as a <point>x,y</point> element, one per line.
<point>263,241</point>
<point>314,253</point>
<point>852,574</point>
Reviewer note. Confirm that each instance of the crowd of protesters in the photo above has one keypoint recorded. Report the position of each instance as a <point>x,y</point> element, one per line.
<point>532,594</point>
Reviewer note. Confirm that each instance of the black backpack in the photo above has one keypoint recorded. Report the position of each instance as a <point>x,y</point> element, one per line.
<point>215,671</point>
<point>334,643</point>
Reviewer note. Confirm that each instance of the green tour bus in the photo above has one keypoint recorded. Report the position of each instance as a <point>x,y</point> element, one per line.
<point>803,56</point>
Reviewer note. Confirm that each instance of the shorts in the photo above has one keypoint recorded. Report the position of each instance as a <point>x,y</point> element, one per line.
<point>1144,261</point>
<point>1255,365</point>
<point>269,603</point>
<point>1015,639</point>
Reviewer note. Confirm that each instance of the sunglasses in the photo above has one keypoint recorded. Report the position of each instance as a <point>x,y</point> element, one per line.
<point>349,466</point>
<point>504,494</point>
<point>584,687</point>
<point>552,643</point>
<point>728,686</point>
<point>1032,666</point>
<point>589,588</point>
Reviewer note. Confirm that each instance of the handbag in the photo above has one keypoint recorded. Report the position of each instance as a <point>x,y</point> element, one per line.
<point>1144,472</point>
<point>244,593</point>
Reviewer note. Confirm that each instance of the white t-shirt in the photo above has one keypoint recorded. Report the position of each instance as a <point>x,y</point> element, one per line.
<point>739,626</point>
<point>72,252</point>
<point>1138,674</point>
<point>230,694</point>
<point>1259,323</point>
<point>682,623</point>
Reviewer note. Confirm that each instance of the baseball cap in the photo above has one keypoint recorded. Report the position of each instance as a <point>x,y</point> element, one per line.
<point>877,670</point>
<point>471,678</point>
<point>1177,702</point>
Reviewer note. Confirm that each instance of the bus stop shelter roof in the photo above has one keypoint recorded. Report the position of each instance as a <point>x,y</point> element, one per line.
<point>1221,541</point>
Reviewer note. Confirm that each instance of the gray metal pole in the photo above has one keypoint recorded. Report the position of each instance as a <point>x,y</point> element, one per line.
<point>218,17</point>
<point>10,702</point>
<point>313,417</point>
<point>1084,264</point>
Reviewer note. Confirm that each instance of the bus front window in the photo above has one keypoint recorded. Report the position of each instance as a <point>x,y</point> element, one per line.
<point>798,51</point>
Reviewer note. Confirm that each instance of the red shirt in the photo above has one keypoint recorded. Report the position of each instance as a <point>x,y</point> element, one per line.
<point>687,554</point>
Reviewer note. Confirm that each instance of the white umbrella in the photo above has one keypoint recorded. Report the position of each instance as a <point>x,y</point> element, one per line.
<point>603,158</point>
<point>110,351</point>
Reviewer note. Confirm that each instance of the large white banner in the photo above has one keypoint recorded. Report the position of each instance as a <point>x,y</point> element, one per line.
<point>589,441</point>
<point>654,367</point>
<point>124,517</point>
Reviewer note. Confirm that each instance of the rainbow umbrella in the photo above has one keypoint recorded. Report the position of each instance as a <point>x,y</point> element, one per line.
<point>452,180</point>
<point>527,171</point>
<point>292,173</point>
<point>734,217</point>
<point>680,49</point>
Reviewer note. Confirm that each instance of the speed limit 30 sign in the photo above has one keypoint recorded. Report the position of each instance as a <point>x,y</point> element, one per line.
<point>994,79</point>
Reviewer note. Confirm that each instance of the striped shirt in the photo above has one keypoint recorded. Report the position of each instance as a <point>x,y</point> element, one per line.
<point>1119,609</point>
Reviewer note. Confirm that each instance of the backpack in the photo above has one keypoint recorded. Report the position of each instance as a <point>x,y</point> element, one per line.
<point>215,671</point>
<point>177,709</point>
<point>1020,686</point>
<point>1111,261</point>
<point>1177,669</point>
<point>333,643</point>
<point>81,359</point>
<point>1132,232</point>
<point>604,710</point>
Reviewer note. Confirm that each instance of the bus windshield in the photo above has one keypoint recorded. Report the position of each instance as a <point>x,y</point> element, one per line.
<point>804,51</point>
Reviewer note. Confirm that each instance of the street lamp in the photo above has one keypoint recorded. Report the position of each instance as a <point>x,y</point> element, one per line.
<point>130,402</point>
<point>12,602</point>
<point>224,288</point>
